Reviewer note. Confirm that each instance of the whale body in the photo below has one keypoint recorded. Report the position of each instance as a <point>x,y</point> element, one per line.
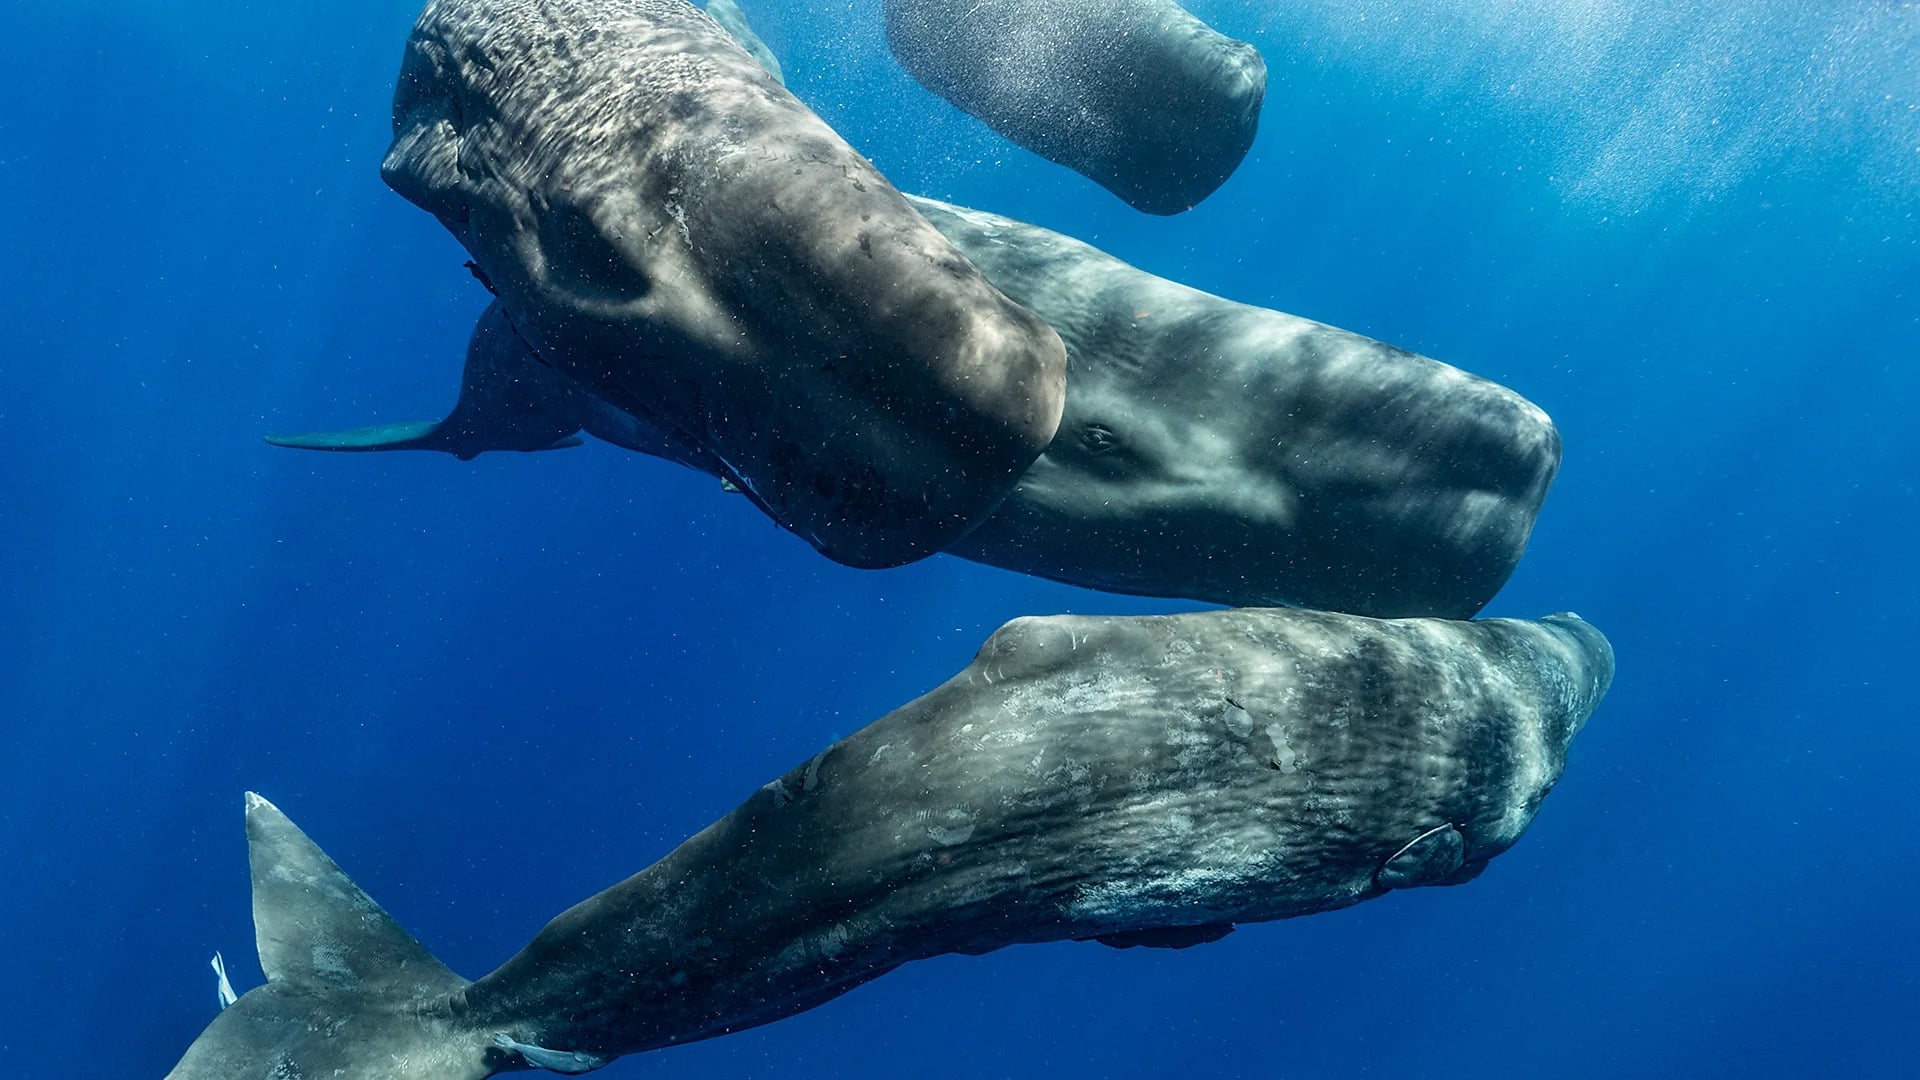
<point>1137,781</point>
<point>671,229</point>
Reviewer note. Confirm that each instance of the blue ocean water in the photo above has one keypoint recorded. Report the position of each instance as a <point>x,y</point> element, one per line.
<point>492,688</point>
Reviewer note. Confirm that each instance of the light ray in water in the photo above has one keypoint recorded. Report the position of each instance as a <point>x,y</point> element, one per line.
<point>1637,104</point>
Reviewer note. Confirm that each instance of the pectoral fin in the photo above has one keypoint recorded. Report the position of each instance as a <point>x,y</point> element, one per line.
<point>414,435</point>
<point>509,400</point>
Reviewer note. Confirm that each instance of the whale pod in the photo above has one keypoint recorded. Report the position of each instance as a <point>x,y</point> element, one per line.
<point>670,228</point>
<point>1208,449</point>
<point>1138,781</point>
<point>1136,95</point>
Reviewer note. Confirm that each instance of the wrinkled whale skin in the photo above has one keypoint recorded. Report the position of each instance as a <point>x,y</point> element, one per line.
<point>1133,780</point>
<point>1136,95</point>
<point>1224,452</point>
<point>665,224</point>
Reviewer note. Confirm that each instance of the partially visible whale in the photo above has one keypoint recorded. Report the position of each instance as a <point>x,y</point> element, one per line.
<point>1136,95</point>
<point>1208,450</point>
<point>1135,781</point>
<point>671,229</point>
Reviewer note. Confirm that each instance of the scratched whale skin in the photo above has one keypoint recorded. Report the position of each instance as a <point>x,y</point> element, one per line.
<point>1129,780</point>
<point>669,227</point>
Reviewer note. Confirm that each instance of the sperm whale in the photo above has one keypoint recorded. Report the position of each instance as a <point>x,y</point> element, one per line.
<point>1136,781</point>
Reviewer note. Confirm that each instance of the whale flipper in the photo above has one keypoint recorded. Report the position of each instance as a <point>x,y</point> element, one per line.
<point>410,435</point>
<point>349,993</point>
<point>509,400</point>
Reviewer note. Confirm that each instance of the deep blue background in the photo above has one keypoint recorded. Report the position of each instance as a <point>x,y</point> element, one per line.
<point>490,689</point>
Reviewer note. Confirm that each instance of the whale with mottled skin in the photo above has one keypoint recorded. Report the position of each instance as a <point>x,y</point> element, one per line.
<point>1135,781</point>
<point>1208,449</point>
<point>671,229</point>
<point>1136,95</point>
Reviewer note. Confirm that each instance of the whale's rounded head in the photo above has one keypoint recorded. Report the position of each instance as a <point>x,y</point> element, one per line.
<point>673,231</point>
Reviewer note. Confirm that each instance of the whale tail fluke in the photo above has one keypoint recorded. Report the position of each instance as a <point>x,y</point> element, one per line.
<point>349,993</point>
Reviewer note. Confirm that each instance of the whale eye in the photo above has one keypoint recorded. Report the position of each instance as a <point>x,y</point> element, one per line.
<point>1098,439</point>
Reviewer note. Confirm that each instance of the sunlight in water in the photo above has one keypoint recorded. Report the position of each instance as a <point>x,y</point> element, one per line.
<point>1633,103</point>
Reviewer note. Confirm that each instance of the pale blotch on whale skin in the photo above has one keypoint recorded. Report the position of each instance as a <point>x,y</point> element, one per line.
<point>1136,95</point>
<point>1083,778</point>
<point>664,224</point>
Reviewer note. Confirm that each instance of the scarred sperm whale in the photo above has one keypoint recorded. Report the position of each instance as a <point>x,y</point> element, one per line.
<point>1129,780</point>
<point>671,229</point>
